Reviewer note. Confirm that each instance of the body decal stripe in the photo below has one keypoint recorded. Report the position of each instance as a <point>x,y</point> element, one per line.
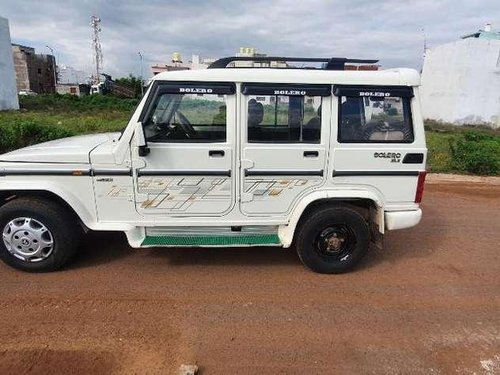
<point>45,172</point>
<point>268,172</point>
<point>169,172</point>
<point>374,173</point>
<point>111,172</point>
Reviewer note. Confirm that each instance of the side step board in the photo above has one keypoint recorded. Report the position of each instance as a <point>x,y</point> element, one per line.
<point>195,240</point>
<point>210,236</point>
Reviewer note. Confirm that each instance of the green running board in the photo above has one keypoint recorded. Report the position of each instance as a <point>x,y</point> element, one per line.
<point>197,240</point>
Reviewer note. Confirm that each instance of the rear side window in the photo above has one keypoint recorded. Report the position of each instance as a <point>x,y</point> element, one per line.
<point>284,114</point>
<point>375,115</point>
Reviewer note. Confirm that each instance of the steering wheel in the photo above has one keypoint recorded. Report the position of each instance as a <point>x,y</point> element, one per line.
<point>186,125</point>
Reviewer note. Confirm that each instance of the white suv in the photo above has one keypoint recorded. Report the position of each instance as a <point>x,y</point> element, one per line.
<point>324,159</point>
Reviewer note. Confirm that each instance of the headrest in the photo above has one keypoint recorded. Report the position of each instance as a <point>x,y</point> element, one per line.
<point>255,112</point>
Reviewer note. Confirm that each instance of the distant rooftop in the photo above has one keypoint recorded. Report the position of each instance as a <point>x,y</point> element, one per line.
<point>485,33</point>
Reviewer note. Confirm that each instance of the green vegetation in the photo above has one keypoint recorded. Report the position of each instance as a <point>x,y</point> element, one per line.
<point>452,149</point>
<point>477,153</point>
<point>465,149</point>
<point>203,112</point>
<point>135,83</point>
<point>46,117</point>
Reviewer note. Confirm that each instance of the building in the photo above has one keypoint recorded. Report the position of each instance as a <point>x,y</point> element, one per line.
<point>68,75</point>
<point>252,52</point>
<point>461,80</point>
<point>73,89</point>
<point>34,72</point>
<point>8,90</point>
<point>196,62</point>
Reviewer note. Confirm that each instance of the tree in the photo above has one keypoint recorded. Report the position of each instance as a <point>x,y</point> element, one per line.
<point>132,82</point>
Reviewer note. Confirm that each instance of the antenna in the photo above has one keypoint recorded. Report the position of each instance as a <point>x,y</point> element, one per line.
<point>95,23</point>
<point>424,35</point>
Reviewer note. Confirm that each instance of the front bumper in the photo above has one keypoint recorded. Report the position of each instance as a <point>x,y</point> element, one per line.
<point>402,219</point>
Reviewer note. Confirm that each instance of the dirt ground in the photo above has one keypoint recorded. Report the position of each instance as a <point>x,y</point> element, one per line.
<point>428,303</point>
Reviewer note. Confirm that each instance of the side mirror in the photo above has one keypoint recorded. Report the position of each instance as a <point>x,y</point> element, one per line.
<point>144,150</point>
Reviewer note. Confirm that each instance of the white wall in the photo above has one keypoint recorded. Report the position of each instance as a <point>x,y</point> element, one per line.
<point>69,75</point>
<point>8,90</point>
<point>461,82</point>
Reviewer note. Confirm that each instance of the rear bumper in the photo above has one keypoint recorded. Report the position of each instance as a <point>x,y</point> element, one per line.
<point>402,219</point>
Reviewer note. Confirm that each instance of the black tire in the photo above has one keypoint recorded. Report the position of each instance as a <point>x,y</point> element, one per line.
<point>60,223</point>
<point>332,239</point>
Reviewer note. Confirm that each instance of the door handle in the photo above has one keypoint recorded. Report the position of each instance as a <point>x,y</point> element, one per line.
<point>311,154</point>
<point>216,153</point>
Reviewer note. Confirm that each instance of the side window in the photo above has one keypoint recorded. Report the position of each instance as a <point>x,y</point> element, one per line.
<point>284,118</point>
<point>375,119</point>
<point>185,115</point>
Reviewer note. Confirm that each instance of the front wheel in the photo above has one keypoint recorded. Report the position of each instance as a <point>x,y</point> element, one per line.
<point>333,239</point>
<point>37,235</point>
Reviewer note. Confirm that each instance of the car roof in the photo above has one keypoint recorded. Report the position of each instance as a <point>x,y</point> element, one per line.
<point>390,77</point>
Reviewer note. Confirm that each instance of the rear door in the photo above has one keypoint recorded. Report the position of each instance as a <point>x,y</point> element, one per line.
<point>380,140</point>
<point>284,142</point>
<point>189,128</point>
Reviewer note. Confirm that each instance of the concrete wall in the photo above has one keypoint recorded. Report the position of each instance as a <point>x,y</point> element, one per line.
<point>461,82</point>
<point>34,72</point>
<point>8,91</point>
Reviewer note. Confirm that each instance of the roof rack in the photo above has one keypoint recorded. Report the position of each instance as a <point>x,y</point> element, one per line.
<point>329,63</point>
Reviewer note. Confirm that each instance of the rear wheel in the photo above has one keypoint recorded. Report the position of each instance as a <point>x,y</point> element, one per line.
<point>37,235</point>
<point>333,239</point>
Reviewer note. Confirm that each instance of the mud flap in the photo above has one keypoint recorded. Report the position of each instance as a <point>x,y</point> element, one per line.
<point>377,236</point>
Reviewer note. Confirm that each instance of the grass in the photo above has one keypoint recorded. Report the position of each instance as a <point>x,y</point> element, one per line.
<point>75,122</point>
<point>46,117</point>
<point>462,149</point>
<point>452,149</point>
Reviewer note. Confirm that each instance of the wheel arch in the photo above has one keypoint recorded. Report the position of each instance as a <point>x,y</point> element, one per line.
<point>368,202</point>
<point>64,199</point>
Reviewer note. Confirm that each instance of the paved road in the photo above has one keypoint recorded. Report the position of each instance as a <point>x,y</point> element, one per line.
<point>428,303</point>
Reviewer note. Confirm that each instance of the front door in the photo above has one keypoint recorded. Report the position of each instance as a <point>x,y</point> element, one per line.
<point>285,136</point>
<point>189,128</point>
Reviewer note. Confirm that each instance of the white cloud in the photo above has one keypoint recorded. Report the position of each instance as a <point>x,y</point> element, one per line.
<point>390,30</point>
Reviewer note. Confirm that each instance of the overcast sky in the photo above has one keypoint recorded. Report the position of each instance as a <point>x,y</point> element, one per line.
<point>389,30</point>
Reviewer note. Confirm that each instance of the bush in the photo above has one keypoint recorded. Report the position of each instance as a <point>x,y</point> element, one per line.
<point>27,133</point>
<point>67,102</point>
<point>476,152</point>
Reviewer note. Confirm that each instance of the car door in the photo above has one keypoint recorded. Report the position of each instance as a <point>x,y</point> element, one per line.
<point>380,142</point>
<point>285,137</point>
<point>189,128</point>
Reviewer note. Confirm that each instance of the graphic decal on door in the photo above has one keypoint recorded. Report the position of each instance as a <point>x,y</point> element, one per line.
<point>181,193</point>
<point>270,187</point>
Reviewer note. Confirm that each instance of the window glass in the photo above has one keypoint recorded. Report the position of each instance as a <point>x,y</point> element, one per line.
<point>375,119</point>
<point>284,119</point>
<point>187,118</point>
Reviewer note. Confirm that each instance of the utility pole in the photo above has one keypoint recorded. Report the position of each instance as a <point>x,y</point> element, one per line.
<point>424,35</point>
<point>142,82</point>
<point>95,23</point>
<point>55,68</point>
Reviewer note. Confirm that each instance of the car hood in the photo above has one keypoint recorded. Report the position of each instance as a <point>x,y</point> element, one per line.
<point>65,150</point>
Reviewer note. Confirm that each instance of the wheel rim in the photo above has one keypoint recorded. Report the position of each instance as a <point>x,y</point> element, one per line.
<point>335,242</point>
<point>28,239</point>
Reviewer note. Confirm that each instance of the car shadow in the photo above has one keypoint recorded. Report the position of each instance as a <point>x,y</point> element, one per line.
<point>421,241</point>
<point>99,248</point>
<point>223,256</point>
<point>104,247</point>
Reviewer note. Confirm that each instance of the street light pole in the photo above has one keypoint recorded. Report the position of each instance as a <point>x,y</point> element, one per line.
<point>55,68</point>
<point>142,83</point>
